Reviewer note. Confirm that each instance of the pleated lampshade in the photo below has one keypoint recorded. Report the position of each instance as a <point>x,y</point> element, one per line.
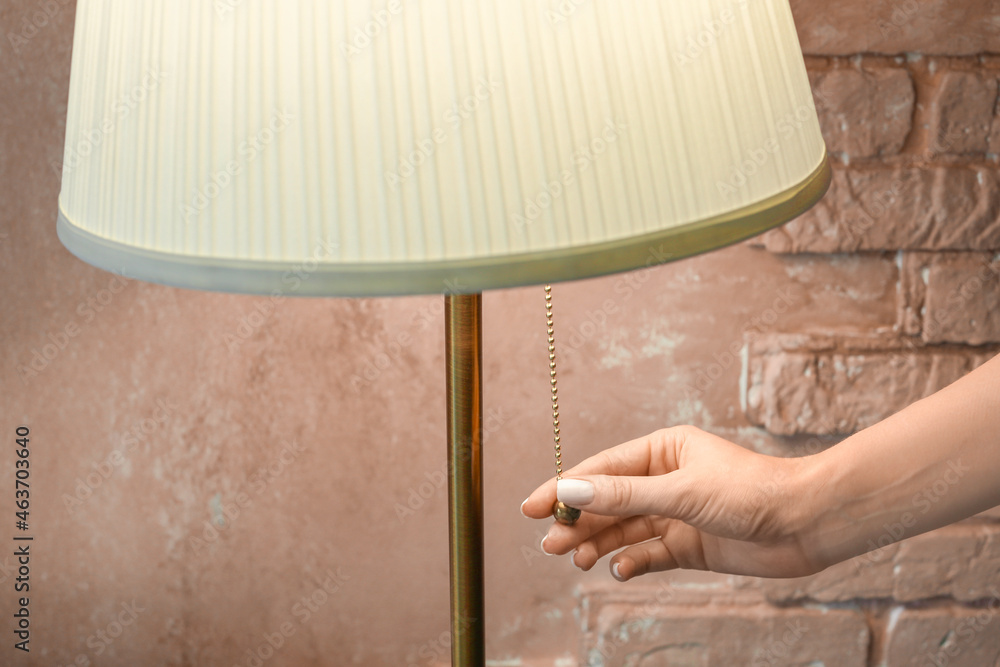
<point>431,146</point>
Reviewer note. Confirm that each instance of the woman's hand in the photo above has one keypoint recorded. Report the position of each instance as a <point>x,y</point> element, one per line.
<point>683,498</point>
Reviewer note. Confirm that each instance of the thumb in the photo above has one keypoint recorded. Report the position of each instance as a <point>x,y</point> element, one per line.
<point>615,495</point>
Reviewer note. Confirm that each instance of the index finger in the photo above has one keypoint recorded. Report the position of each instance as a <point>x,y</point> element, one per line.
<point>653,454</point>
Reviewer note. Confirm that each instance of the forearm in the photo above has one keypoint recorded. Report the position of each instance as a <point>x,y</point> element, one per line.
<point>934,463</point>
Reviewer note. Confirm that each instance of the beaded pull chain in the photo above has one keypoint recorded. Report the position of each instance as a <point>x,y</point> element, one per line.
<point>562,512</point>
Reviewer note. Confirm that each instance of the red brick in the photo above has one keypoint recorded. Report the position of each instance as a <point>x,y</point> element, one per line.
<point>950,635</point>
<point>961,562</point>
<point>739,630</point>
<point>865,577</point>
<point>962,301</point>
<point>864,112</point>
<point>912,292</point>
<point>961,113</point>
<point>932,27</point>
<point>951,297</point>
<point>843,292</point>
<point>993,142</point>
<point>798,383</point>
<point>905,208</point>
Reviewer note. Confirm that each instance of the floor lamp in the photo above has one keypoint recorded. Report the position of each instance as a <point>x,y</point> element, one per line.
<point>434,147</point>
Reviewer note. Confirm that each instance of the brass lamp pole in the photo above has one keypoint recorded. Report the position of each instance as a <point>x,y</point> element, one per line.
<point>463,356</point>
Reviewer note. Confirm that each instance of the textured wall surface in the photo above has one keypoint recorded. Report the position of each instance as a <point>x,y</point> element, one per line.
<point>222,480</point>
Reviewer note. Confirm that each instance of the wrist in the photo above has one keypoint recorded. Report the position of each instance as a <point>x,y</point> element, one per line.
<point>847,498</point>
<point>816,514</point>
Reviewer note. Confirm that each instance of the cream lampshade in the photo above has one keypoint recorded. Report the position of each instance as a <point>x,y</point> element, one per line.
<point>431,146</point>
<point>408,146</point>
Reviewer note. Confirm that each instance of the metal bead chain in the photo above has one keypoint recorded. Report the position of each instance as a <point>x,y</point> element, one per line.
<point>552,379</point>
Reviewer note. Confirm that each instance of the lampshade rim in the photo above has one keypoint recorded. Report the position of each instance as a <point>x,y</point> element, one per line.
<point>467,276</point>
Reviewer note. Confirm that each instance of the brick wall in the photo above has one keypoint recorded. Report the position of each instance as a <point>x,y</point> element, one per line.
<point>909,108</point>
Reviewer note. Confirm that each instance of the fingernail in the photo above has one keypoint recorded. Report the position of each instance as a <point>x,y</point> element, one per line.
<point>574,557</point>
<point>616,573</point>
<point>522,509</point>
<point>575,491</point>
<point>542,546</point>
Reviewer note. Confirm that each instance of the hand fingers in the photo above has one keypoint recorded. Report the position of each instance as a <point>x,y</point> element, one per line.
<point>653,454</point>
<point>639,559</point>
<point>562,539</point>
<point>667,495</point>
<point>619,534</point>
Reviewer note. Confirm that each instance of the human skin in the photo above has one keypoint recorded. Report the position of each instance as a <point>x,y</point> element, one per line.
<point>683,498</point>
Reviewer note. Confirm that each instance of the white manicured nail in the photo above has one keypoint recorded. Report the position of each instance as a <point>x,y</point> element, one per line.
<point>542,546</point>
<point>522,509</point>
<point>575,491</point>
<point>616,573</point>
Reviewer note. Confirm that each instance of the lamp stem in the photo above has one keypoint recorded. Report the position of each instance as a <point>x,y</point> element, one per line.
<point>463,356</point>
